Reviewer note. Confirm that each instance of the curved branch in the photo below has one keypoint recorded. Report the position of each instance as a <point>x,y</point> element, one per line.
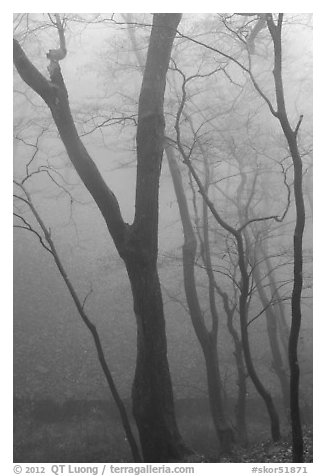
<point>91,327</point>
<point>29,227</point>
<point>55,95</point>
<point>242,66</point>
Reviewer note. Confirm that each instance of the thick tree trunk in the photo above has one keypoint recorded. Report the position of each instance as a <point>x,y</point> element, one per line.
<point>153,406</point>
<point>152,390</point>
<point>137,244</point>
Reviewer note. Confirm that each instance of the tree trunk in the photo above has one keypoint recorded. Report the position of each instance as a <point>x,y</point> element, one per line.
<point>152,396</point>
<point>243,305</point>
<point>296,307</point>
<point>244,255</point>
<point>243,301</point>
<point>291,137</point>
<point>137,244</point>
<point>271,323</point>
<point>225,432</point>
<point>240,409</point>
<point>207,340</point>
<point>284,332</point>
<point>92,329</point>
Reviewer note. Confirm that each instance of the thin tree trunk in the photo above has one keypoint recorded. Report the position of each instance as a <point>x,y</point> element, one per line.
<point>243,303</point>
<point>291,137</point>
<point>284,332</point>
<point>92,329</point>
<point>271,323</point>
<point>244,295</point>
<point>271,320</point>
<point>207,339</point>
<point>225,432</point>
<point>244,254</point>
<point>240,409</point>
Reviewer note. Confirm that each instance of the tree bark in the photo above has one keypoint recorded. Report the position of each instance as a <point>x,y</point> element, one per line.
<point>240,409</point>
<point>271,323</point>
<point>284,332</point>
<point>207,339</point>
<point>243,309</point>
<point>214,385</point>
<point>244,287</point>
<point>275,30</point>
<point>152,396</point>
<point>244,252</point>
<point>137,244</point>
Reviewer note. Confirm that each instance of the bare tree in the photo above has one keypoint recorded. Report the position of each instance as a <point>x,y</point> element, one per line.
<point>291,135</point>
<point>207,338</point>
<point>275,25</point>
<point>137,244</point>
<point>253,254</point>
<point>238,234</point>
<point>48,244</point>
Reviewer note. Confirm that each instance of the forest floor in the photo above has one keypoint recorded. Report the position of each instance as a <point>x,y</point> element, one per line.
<point>270,452</point>
<point>90,432</point>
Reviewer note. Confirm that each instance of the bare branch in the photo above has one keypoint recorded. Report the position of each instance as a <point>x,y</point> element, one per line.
<point>296,130</point>
<point>242,66</point>
<point>27,226</point>
<point>86,297</point>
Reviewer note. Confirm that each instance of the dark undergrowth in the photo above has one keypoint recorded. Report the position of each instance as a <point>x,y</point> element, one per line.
<point>269,452</point>
<point>90,432</point>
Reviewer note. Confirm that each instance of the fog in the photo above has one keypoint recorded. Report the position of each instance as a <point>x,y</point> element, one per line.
<point>63,407</point>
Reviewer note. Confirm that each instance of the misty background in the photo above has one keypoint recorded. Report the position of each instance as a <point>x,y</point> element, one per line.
<point>54,357</point>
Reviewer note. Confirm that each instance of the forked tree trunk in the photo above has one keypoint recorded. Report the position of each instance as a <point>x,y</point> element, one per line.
<point>137,244</point>
<point>243,309</point>
<point>271,319</point>
<point>241,405</point>
<point>207,339</point>
<point>243,303</point>
<point>243,245</point>
<point>271,324</point>
<point>244,286</point>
